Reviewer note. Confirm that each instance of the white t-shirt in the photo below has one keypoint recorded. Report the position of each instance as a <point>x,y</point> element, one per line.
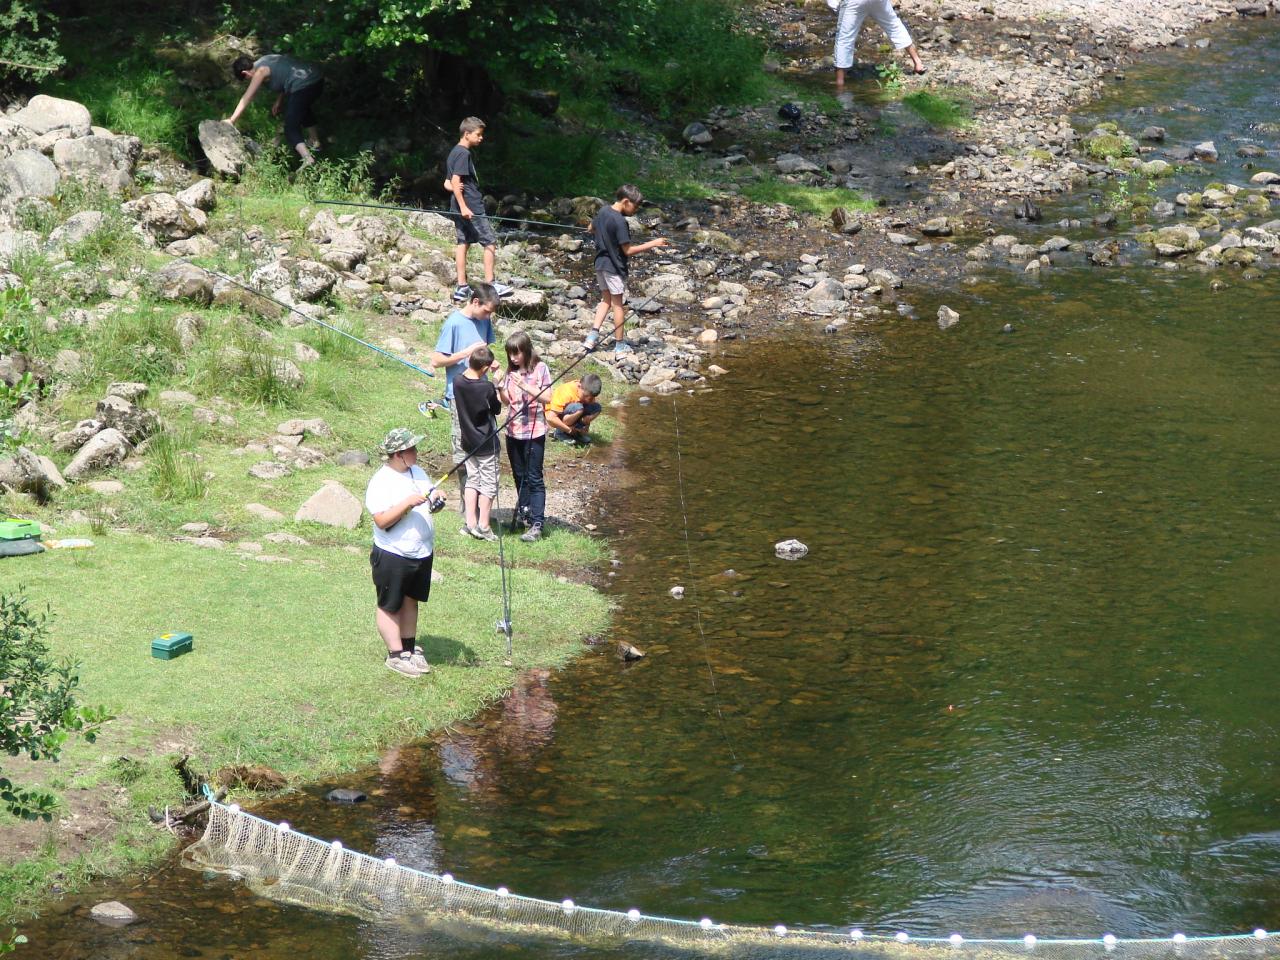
<point>414,535</point>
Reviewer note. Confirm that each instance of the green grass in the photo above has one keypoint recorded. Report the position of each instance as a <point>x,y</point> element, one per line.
<point>940,111</point>
<point>816,200</point>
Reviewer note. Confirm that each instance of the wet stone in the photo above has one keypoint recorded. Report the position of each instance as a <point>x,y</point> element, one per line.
<point>345,795</point>
<point>790,549</point>
<point>113,913</point>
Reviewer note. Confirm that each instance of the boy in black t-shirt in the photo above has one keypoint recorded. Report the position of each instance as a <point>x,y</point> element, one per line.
<point>476,401</point>
<point>467,203</point>
<point>613,248</point>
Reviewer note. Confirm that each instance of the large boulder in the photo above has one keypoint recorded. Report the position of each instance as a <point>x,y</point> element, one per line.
<point>25,472</point>
<point>103,161</point>
<point>134,422</point>
<point>224,147</point>
<point>1174,241</point>
<point>183,281</point>
<point>794,163</point>
<point>27,173</point>
<point>43,115</point>
<point>166,217</point>
<point>105,449</point>
<point>311,280</point>
<point>333,505</point>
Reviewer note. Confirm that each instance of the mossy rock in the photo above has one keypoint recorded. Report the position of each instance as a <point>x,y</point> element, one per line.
<point>1040,154</point>
<point>1257,206</point>
<point>1149,237</point>
<point>1215,185</point>
<point>1207,222</point>
<point>1252,273</point>
<point>1108,126</point>
<point>1142,201</point>
<point>1110,145</point>
<point>1239,256</point>
<point>1195,200</point>
<point>1156,168</point>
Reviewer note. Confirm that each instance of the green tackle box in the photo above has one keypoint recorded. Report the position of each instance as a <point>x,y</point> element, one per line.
<point>15,529</point>
<point>170,645</point>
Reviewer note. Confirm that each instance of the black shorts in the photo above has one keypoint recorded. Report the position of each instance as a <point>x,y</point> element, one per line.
<point>477,230</point>
<point>396,577</point>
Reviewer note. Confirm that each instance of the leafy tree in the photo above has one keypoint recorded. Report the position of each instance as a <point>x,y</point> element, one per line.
<point>28,42</point>
<point>38,709</point>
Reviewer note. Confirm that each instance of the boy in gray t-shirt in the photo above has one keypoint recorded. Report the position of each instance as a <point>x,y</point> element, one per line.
<point>466,203</point>
<point>298,85</point>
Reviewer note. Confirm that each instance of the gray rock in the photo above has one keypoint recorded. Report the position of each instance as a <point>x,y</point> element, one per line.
<point>102,161</point>
<point>43,115</point>
<point>132,391</point>
<point>269,470</point>
<point>27,173</point>
<point>697,134</point>
<point>195,529</point>
<point>790,549</point>
<point>345,795</point>
<point>902,239</point>
<point>947,318</point>
<point>202,195</point>
<point>332,505</point>
<point>224,147</point>
<point>104,449</point>
<point>133,421</point>
<point>936,227</point>
<point>287,372</point>
<point>1265,177</point>
<point>178,397</point>
<point>68,363</point>
<point>298,428</point>
<point>794,163</point>
<point>183,281</point>
<point>286,539</point>
<point>206,543</point>
<point>1205,152</point>
<point>312,280</point>
<point>188,327</point>
<point>75,438</point>
<point>1153,134</point>
<point>113,913</point>
<point>77,228</point>
<point>886,278</point>
<point>263,512</point>
<point>676,592</point>
<point>353,458</point>
<point>826,289</point>
<point>839,166</point>
<point>26,472</point>
<point>166,217</point>
<point>105,488</point>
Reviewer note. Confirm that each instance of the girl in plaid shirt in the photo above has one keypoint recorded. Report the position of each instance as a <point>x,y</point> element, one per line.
<point>525,389</point>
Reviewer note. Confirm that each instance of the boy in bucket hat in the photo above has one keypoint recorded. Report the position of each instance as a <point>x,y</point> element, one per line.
<point>401,499</point>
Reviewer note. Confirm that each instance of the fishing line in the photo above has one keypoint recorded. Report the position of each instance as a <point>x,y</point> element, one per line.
<point>693,583</point>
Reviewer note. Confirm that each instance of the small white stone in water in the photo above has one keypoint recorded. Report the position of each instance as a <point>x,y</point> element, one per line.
<point>790,549</point>
<point>677,592</point>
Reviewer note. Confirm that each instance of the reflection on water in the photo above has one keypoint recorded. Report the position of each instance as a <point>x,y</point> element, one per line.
<point>1024,679</point>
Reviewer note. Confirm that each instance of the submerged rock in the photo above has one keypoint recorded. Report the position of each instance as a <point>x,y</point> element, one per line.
<point>790,549</point>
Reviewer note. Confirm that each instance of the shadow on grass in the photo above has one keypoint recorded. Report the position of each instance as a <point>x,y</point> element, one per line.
<point>447,650</point>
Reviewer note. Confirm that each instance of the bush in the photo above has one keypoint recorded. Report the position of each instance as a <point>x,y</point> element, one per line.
<point>39,708</point>
<point>175,471</point>
<point>28,43</point>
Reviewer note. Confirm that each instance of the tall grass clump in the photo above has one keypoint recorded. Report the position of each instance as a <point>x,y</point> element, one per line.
<point>174,470</point>
<point>137,342</point>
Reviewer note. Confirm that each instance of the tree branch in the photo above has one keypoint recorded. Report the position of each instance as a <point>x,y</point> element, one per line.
<point>26,66</point>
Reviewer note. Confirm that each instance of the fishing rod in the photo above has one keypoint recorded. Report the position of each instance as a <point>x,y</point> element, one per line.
<point>444,213</point>
<point>316,320</point>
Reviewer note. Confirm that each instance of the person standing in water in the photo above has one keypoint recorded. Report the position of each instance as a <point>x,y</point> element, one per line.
<point>851,14</point>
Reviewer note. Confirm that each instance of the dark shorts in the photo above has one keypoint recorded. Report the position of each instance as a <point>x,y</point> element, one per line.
<point>298,112</point>
<point>476,230</point>
<point>396,577</point>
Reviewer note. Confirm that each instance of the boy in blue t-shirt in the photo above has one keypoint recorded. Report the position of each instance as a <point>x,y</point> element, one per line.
<point>468,327</point>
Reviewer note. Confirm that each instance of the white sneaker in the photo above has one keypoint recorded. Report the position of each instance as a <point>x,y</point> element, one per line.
<point>419,660</point>
<point>402,665</point>
<point>502,290</point>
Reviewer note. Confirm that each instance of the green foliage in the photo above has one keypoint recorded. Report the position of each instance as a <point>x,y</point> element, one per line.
<point>1130,194</point>
<point>889,76</point>
<point>15,320</point>
<point>28,42</point>
<point>15,939</point>
<point>939,111</point>
<point>18,394</point>
<point>1109,146</point>
<point>39,709</point>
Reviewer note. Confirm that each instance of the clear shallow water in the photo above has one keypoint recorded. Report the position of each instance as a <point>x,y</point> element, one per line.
<point>1025,679</point>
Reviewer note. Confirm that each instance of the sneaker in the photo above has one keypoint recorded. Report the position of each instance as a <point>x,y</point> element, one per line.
<point>484,533</point>
<point>419,660</point>
<point>592,339</point>
<point>402,665</point>
<point>534,534</point>
<point>502,290</point>
<point>462,293</point>
<point>621,347</point>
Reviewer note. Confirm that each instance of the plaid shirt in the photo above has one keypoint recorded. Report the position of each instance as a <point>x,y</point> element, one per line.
<point>528,419</point>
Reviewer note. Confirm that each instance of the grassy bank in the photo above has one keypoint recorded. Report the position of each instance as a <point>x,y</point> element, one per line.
<point>287,669</point>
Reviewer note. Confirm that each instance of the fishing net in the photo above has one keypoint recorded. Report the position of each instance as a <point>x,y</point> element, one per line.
<point>291,867</point>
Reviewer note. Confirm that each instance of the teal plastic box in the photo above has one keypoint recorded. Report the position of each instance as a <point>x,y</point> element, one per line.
<point>15,529</point>
<point>171,645</point>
